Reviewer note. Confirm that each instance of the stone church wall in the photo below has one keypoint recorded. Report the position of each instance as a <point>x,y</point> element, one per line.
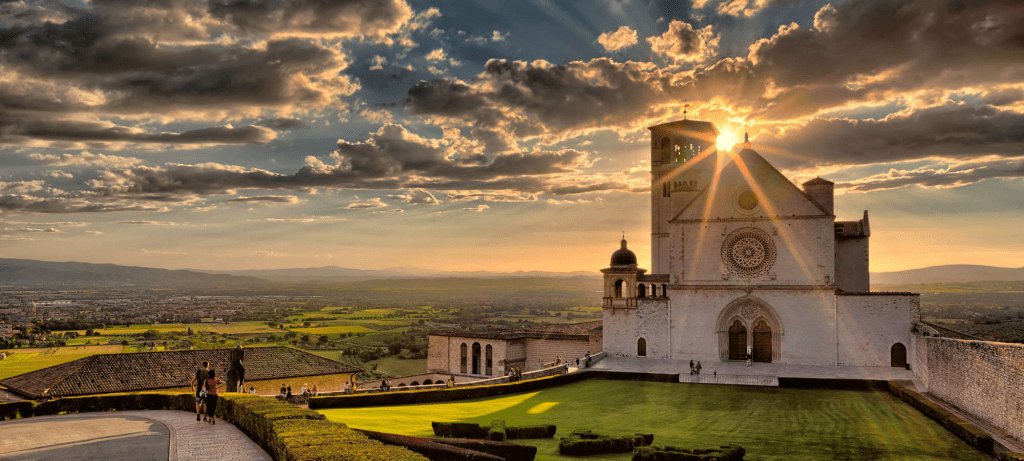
<point>540,351</point>
<point>985,379</point>
<point>806,317</point>
<point>619,331</point>
<point>444,354</point>
<point>869,326</point>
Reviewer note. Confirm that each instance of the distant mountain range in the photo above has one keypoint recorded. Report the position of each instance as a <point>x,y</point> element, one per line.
<point>47,274</point>
<point>963,273</point>
<point>32,273</point>
<point>342,274</point>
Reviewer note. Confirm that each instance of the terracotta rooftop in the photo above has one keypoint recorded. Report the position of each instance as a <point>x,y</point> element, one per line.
<point>548,331</point>
<point>107,373</point>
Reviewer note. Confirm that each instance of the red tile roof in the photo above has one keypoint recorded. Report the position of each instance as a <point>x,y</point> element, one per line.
<point>107,373</point>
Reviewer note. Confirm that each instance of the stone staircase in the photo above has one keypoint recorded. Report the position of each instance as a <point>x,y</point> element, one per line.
<point>735,380</point>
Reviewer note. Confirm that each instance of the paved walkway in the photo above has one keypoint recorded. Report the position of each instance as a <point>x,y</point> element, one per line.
<point>127,436</point>
<point>740,371</point>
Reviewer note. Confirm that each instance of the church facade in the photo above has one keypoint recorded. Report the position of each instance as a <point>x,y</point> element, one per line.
<point>745,263</point>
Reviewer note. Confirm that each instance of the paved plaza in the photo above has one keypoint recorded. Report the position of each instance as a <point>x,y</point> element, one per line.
<point>125,435</point>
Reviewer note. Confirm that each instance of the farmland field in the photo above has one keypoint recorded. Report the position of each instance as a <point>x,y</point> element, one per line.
<point>332,330</point>
<point>24,360</point>
<point>770,423</point>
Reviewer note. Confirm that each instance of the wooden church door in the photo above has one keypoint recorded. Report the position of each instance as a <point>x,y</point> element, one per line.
<point>737,341</point>
<point>762,342</point>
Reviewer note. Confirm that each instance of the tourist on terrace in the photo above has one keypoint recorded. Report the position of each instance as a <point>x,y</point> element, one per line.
<point>197,386</point>
<point>316,391</point>
<point>211,395</point>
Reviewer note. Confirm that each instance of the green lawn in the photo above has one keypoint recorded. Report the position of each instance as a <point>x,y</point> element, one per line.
<point>770,423</point>
<point>332,330</point>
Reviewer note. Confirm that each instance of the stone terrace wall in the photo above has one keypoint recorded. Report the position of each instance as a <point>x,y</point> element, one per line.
<point>985,379</point>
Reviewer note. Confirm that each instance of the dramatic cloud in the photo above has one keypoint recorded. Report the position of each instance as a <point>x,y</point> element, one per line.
<point>290,199</point>
<point>372,203</point>
<point>418,197</point>
<point>477,208</point>
<point>17,132</point>
<point>283,124</point>
<point>952,176</point>
<point>615,41</point>
<point>682,43</point>
<point>315,18</point>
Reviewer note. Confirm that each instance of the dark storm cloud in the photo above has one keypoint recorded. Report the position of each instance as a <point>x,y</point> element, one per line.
<point>15,203</point>
<point>320,17</point>
<point>283,124</point>
<point>950,131</point>
<point>391,158</point>
<point>855,52</point>
<point>18,131</point>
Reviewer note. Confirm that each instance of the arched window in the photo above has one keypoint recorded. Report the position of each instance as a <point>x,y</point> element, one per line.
<point>898,355</point>
<point>664,290</point>
<point>465,352</point>
<point>414,383</point>
<point>665,150</point>
<point>489,363</point>
<point>641,291</point>
<point>427,381</point>
<point>654,290</point>
<point>476,358</point>
<point>618,288</point>
<point>641,347</point>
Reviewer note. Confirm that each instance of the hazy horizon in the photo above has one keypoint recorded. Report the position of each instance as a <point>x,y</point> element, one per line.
<point>490,136</point>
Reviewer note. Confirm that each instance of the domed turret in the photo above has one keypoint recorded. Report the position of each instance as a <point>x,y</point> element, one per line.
<point>623,256</point>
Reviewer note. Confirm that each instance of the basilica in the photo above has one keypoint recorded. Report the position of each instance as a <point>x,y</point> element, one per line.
<point>746,265</point>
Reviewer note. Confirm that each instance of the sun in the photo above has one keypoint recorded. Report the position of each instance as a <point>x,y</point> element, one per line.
<point>726,140</point>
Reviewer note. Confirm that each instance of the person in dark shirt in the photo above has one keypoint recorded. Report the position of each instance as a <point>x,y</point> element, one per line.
<point>237,370</point>
<point>212,381</point>
<point>197,386</point>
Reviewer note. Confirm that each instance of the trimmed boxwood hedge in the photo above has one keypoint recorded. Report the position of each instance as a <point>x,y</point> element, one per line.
<point>509,451</point>
<point>497,431</point>
<point>286,431</point>
<point>725,453</point>
<point>477,392</point>
<point>477,431</point>
<point>583,443</point>
<point>834,383</point>
<point>431,448</point>
<point>970,433</point>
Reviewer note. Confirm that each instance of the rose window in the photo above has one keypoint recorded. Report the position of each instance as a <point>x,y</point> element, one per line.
<point>748,252</point>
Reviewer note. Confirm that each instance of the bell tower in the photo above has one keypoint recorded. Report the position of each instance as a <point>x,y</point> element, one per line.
<point>684,155</point>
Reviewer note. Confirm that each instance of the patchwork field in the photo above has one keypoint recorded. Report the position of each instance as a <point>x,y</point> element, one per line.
<point>20,361</point>
<point>770,423</point>
<point>332,330</point>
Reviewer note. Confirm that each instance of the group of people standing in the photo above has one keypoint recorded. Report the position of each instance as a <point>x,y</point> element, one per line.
<point>515,374</point>
<point>695,369</point>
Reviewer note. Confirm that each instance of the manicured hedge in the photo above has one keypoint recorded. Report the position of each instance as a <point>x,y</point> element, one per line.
<point>583,443</point>
<point>725,453</point>
<point>460,430</point>
<point>431,448</point>
<point>497,431</point>
<point>531,432</point>
<point>509,451</point>
<point>834,383</point>
<point>970,433</point>
<point>477,392</point>
<point>287,432</point>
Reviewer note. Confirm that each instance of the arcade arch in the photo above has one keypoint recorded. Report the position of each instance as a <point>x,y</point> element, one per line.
<point>749,324</point>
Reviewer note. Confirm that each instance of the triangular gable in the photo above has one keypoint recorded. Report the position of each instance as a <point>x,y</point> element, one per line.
<point>747,170</point>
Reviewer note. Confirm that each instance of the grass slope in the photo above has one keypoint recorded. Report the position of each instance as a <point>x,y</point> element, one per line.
<point>771,423</point>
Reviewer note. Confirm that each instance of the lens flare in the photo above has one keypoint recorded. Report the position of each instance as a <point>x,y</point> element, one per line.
<point>726,140</point>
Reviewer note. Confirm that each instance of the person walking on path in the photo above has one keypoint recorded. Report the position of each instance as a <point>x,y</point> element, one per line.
<point>691,367</point>
<point>212,381</point>
<point>698,367</point>
<point>197,386</point>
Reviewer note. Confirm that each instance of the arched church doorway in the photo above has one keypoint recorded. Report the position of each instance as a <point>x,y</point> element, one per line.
<point>762,342</point>
<point>618,288</point>
<point>898,355</point>
<point>476,358</point>
<point>737,341</point>
<point>641,347</point>
<point>641,291</point>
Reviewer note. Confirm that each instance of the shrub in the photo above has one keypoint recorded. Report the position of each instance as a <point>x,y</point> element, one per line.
<point>530,432</point>
<point>583,443</point>
<point>508,451</point>
<point>497,431</point>
<point>14,410</point>
<point>431,448</point>
<point>966,431</point>
<point>725,453</point>
<point>459,430</point>
<point>1009,456</point>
